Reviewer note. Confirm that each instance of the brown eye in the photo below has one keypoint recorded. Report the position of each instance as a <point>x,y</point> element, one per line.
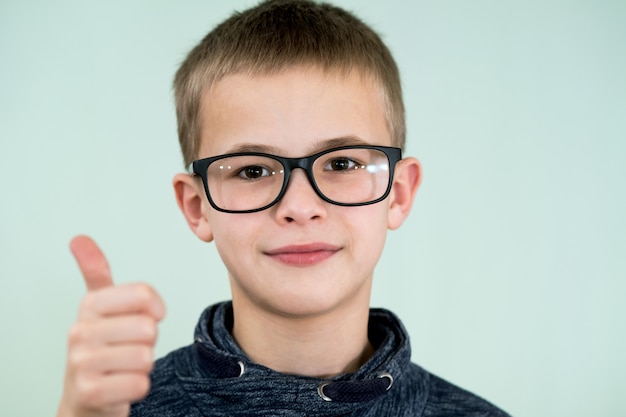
<point>253,172</point>
<point>340,164</point>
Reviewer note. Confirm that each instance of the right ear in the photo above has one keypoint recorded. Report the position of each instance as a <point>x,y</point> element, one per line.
<point>192,202</point>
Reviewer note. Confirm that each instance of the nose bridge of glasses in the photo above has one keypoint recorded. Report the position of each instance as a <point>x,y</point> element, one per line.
<point>305,163</point>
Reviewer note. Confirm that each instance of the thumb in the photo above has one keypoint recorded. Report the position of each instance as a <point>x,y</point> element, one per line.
<point>92,263</point>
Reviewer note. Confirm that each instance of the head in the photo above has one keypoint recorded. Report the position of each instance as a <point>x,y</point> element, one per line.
<point>277,35</point>
<point>293,79</point>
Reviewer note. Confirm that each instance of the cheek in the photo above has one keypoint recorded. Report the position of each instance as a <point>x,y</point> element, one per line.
<point>369,226</point>
<point>233,235</point>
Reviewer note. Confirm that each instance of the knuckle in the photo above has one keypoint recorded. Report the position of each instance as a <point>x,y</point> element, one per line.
<point>143,292</point>
<point>89,392</point>
<point>140,387</point>
<point>85,361</point>
<point>77,359</point>
<point>148,300</point>
<point>74,335</point>
<point>146,328</point>
<point>79,333</point>
<point>144,358</point>
<point>87,303</point>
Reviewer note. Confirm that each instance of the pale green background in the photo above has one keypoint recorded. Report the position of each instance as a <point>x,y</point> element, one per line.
<point>509,274</point>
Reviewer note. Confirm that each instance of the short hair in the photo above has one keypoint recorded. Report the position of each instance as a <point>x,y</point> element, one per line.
<point>277,35</point>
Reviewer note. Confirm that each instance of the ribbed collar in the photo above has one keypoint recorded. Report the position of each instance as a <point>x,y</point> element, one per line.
<point>211,375</point>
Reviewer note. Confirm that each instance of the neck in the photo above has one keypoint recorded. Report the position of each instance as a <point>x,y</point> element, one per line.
<point>317,346</point>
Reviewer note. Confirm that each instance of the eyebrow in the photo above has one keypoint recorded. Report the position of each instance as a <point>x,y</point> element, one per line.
<point>317,147</point>
<point>252,147</point>
<point>337,142</point>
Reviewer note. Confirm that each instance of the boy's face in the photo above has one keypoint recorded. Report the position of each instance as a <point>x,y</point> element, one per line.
<point>302,256</point>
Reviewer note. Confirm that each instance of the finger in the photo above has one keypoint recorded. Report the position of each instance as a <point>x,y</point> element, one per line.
<point>120,300</point>
<point>97,391</point>
<point>112,359</point>
<point>92,263</point>
<point>136,328</point>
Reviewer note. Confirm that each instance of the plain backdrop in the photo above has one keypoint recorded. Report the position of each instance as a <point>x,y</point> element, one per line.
<point>509,274</point>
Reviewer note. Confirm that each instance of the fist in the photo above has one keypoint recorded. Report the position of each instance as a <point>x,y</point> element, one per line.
<point>110,347</point>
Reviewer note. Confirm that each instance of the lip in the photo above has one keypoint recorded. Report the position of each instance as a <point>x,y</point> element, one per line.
<point>303,255</point>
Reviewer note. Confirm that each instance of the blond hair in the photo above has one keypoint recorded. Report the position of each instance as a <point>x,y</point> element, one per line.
<point>277,35</point>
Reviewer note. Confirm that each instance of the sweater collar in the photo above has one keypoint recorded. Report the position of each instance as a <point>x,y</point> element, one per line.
<point>223,370</point>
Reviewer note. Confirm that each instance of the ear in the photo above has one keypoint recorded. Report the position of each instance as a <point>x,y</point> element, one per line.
<point>406,180</point>
<point>192,202</point>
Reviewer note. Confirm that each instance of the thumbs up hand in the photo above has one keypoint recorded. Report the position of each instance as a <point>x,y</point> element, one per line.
<point>110,347</point>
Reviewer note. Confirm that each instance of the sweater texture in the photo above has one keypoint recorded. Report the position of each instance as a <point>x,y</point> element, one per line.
<point>214,377</point>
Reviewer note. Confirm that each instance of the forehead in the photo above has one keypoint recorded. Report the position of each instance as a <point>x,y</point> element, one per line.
<point>296,112</point>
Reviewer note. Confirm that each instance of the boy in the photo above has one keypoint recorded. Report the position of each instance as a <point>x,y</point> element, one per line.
<point>291,120</point>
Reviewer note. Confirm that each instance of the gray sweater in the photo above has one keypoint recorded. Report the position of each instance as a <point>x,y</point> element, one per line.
<point>213,377</point>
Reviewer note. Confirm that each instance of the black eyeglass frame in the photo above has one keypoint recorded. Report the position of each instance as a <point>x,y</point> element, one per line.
<point>200,168</point>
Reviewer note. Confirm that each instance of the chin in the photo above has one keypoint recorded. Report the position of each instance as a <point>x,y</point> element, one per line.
<point>304,292</point>
<point>308,304</point>
<point>303,310</point>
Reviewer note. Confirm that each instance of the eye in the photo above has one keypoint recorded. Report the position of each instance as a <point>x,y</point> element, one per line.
<point>253,172</point>
<point>341,164</point>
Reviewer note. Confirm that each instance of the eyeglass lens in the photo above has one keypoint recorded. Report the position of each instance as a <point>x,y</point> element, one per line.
<point>347,176</point>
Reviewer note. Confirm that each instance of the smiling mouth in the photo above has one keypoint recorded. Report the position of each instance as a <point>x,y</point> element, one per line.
<point>303,255</point>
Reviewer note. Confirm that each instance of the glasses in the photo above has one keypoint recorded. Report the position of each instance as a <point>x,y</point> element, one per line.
<point>247,182</point>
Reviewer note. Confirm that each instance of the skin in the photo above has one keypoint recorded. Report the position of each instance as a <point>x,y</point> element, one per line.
<point>300,272</point>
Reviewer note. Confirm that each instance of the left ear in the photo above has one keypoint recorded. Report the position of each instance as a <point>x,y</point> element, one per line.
<point>406,180</point>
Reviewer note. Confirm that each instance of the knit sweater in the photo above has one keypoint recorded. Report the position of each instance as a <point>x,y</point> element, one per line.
<point>214,377</point>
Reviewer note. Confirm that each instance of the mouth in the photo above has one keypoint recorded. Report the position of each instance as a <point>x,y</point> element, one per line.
<point>303,255</point>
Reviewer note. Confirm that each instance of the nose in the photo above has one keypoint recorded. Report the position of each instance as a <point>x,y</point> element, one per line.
<point>300,203</point>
